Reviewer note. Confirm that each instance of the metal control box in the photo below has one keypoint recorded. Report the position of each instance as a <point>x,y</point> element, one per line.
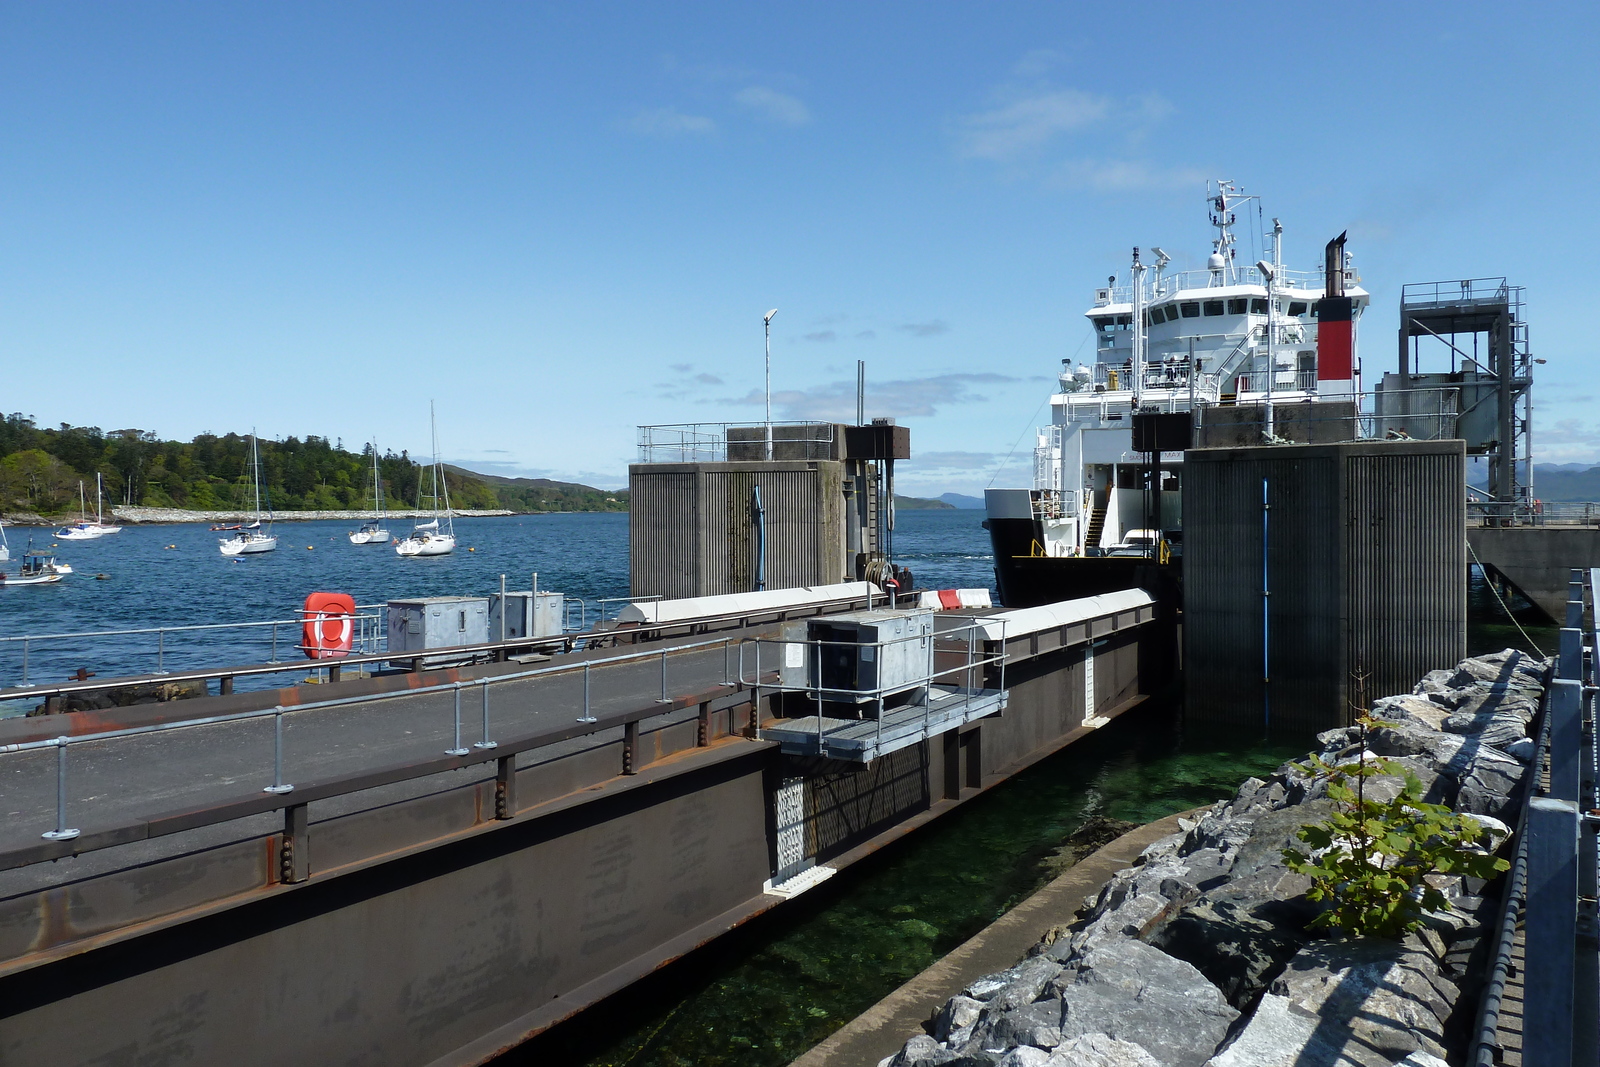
<point>863,657</point>
<point>527,614</point>
<point>428,623</point>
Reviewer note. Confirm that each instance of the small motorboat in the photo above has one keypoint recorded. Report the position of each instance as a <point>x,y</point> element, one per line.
<point>39,567</point>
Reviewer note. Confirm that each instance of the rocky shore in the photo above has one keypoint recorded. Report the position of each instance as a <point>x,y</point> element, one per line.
<point>163,515</point>
<point>1199,956</point>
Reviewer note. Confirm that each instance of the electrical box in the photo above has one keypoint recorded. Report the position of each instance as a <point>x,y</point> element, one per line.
<point>527,614</point>
<point>429,623</point>
<point>863,658</point>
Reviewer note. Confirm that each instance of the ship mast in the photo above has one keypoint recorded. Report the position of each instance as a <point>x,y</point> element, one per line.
<point>1137,363</point>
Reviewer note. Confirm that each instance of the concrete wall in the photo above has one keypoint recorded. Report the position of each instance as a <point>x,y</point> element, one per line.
<point>691,528</point>
<point>1537,560</point>
<point>1366,562</point>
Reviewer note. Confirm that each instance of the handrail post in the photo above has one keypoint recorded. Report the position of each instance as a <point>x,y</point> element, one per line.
<point>274,658</point>
<point>586,716</point>
<point>1551,917</point>
<point>458,749</point>
<point>278,785</point>
<point>486,743</point>
<point>664,698</point>
<point>161,652</point>
<point>62,832</point>
<point>25,660</point>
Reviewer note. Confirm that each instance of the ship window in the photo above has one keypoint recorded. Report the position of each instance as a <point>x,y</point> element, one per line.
<point>1237,305</point>
<point>1258,306</point>
<point>1124,321</point>
<point>1104,323</point>
<point>1213,307</point>
<point>1158,314</point>
<point>1297,308</point>
<point>1190,309</point>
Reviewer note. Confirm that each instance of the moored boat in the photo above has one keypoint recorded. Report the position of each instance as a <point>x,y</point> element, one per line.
<point>373,531</point>
<point>252,539</point>
<point>427,538</point>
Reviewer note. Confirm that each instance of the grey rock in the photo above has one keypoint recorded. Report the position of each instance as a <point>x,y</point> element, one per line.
<point>1101,1050</point>
<point>1128,905</point>
<point>1037,1024</point>
<point>1135,992</point>
<point>1361,1002</point>
<point>990,984</point>
<point>921,1051</point>
<point>958,1013</point>
<point>1030,978</point>
<point>1440,749</point>
<point>1236,950</point>
<point>1338,737</point>
<point>1487,783</point>
<point>1218,829</point>
<point>1412,710</point>
<point>1521,751</point>
<point>1433,682</point>
<point>1024,1056</point>
<point>1422,1059</point>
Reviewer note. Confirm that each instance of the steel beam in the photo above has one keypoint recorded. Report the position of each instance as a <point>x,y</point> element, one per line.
<point>1551,929</point>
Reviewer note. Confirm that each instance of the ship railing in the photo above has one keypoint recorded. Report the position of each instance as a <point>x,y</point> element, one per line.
<point>369,637</point>
<point>717,442</point>
<point>1054,503</point>
<point>1460,291</point>
<point>1311,282</point>
<point>1532,512</point>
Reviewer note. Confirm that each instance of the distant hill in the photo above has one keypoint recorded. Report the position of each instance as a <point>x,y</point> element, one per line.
<point>1563,482</point>
<point>544,494</point>
<point>961,500</point>
<point>918,503</point>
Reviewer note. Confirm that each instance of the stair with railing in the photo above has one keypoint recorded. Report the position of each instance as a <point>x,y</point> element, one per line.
<point>1097,525</point>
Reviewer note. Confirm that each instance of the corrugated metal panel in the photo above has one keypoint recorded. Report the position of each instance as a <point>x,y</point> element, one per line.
<point>1365,545</point>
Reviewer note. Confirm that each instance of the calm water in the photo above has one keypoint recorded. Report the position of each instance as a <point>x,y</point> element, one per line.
<point>767,992</point>
<point>174,576</point>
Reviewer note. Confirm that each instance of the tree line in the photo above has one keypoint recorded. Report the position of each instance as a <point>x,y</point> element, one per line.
<point>40,468</point>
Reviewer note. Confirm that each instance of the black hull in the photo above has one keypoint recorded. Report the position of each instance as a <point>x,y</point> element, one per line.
<point>1026,580</point>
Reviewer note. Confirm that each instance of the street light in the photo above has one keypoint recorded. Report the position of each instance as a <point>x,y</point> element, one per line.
<point>766,322</point>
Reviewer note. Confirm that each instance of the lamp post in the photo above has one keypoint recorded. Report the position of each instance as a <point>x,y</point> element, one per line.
<point>766,322</point>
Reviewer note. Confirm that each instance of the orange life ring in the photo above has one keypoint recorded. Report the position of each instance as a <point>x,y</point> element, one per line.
<point>329,625</point>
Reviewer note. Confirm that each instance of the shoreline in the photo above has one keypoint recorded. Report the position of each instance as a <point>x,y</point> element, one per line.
<point>140,516</point>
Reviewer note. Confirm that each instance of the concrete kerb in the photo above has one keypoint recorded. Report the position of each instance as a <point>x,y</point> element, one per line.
<point>883,1028</point>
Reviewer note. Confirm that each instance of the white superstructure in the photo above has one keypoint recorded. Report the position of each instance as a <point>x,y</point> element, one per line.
<point>1169,342</point>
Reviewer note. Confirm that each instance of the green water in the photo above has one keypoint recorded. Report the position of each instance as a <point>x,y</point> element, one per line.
<point>766,993</point>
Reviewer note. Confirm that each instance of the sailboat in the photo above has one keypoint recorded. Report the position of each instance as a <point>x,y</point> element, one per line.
<point>83,529</point>
<point>427,539</point>
<point>250,539</point>
<point>5,549</point>
<point>373,532</point>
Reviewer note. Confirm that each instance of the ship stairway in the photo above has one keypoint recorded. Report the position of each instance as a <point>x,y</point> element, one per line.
<point>1097,524</point>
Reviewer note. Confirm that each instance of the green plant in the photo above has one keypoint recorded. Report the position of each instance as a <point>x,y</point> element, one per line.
<point>1371,858</point>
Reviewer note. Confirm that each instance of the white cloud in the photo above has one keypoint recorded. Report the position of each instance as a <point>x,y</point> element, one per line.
<point>669,122</point>
<point>773,106</point>
<point>907,398</point>
<point>1028,123</point>
<point>1568,441</point>
<point>1118,175</point>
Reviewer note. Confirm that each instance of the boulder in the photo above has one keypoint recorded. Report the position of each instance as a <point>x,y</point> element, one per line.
<point>1028,980</point>
<point>1135,992</point>
<point>1521,751</point>
<point>1237,950</point>
<point>958,1013</point>
<point>1411,710</point>
<point>1358,1002</point>
<point>1128,905</point>
<point>1037,1024</point>
<point>1024,1056</point>
<point>921,1051</point>
<point>1101,1050</point>
<point>1408,739</point>
<point>1489,779</point>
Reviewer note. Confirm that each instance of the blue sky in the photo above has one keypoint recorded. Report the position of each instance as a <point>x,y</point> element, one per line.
<point>561,221</point>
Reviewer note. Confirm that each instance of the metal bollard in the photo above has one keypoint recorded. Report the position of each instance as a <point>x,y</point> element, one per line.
<point>486,743</point>
<point>664,698</point>
<point>278,785</point>
<point>459,749</point>
<point>61,832</point>
<point>586,716</point>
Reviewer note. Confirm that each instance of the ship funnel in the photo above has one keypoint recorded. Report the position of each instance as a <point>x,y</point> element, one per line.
<point>1335,326</point>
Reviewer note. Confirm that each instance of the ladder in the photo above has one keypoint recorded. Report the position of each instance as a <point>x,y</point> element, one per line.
<point>1097,524</point>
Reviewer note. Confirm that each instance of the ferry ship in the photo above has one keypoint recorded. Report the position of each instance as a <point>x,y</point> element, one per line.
<point>1104,512</point>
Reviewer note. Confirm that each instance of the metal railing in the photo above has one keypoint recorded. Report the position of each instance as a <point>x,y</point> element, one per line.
<point>715,442</point>
<point>1533,513</point>
<point>1460,291</point>
<point>1553,882</point>
<point>925,680</point>
<point>1305,284</point>
<point>369,638</point>
<point>479,752</point>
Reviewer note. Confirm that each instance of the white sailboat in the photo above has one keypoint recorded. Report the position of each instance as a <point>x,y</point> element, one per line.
<point>373,531</point>
<point>251,539</point>
<point>5,549</point>
<point>83,529</point>
<point>427,539</point>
